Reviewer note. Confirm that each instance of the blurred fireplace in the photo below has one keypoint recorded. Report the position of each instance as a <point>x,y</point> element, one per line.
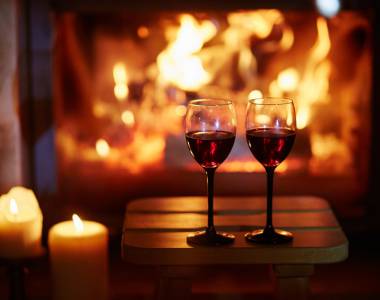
<point>122,77</point>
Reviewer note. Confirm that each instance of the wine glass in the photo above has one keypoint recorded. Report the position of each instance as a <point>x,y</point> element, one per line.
<point>210,135</point>
<point>270,132</point>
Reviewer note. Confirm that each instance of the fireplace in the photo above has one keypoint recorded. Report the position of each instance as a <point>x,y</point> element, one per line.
<point>109,98</point>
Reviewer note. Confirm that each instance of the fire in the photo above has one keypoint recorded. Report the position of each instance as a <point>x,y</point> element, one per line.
<point>235,55</point>
<point>314,85</point>
<point>287,80</point>
<point>327,149</point>
<point>179,63</point>
<point>259,22</point>
<point>143,32</point>
<point>128,118</point>
<point>120,76</point>
<point>250,166</point>
<point>78,224</point>
<point>180,110</point>
<point>102,148</point>
<point>255,94</point>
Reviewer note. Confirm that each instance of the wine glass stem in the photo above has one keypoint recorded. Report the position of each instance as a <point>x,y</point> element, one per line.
<point>210,172</point>
<point>270,175</point>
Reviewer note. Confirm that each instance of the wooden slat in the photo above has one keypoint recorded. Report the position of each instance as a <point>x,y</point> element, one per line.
<point>227,204</point>
<point>182,221</point>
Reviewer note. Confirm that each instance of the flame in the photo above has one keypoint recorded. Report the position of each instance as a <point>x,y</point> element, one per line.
<point>314,85</point>
<point>180,110</point>
<point>303,117</point>
<point>287,39</point>
<point>78,224</point>
<point>258,22</point>
<point>120,77</point>
<point>326,150</point>
<point>274,89</point>
<point>179,63</point>
<point>287,80</point>
<point>128,118</point>
<point>13,208</point>
<point>102,148</point>
<point>255,94</point>
<point>143,32</point>
<point>225,66</point>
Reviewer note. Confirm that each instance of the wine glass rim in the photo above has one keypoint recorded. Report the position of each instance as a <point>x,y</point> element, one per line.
<point>210,102</point>
<point>271,101</point>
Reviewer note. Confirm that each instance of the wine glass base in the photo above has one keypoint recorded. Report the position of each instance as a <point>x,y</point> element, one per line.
<point>205,238</point>
<point>275,236</point>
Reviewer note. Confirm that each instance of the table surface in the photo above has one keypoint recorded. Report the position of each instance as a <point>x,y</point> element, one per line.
<point>155,231</point>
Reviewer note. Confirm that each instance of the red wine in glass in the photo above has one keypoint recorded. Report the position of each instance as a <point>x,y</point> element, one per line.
<point>270,146</point>
<point>210,148</point>
<point>210,134</point>
<point>270,132</point>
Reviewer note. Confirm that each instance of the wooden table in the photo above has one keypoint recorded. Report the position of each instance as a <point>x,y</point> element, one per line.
<point>155,231</point>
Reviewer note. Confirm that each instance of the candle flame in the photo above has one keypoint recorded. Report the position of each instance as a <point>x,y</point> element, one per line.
<point>13,208</point>
<point>78,224</point>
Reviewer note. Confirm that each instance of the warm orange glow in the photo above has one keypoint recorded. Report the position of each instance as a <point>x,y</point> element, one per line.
<point>102,148</point>
<point>326,149</point>
<point>303,116</point>
<point>274,89</point>
<point>258,22</point>
<point>314,84</point>
<point>250,166</point>
<point>128,118</point>
<point>255,94</point>
<point>179,64</point>
<point>287,39</point>
<point>143,32</point>
<point>13,208</point>
<point>78,224</point>
<point>242,55</point>
<point>287,80</point>
<point>121,91</point>
<point>180,110</point>
<point>121,79</point>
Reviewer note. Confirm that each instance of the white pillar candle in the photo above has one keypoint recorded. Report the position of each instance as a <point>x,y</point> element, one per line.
<point>20,224</point>
<point>79,260</point>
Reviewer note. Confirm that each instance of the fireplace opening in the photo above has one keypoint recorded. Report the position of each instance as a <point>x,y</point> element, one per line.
<point>122,82</point>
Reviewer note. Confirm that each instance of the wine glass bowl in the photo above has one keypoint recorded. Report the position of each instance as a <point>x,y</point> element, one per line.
<point>210,135</point>
<point>270,133</point>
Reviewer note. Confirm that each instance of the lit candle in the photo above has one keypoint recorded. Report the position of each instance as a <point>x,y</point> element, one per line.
<point>20,224</point>
<point>79,260</point>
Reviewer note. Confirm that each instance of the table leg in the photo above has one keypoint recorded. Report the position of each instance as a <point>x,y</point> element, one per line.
<point>174,283</point>
<point>292,281</point>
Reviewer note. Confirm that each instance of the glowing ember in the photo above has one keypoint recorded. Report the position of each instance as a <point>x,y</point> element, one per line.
<point>121,79</point>
<point>255,94</point>
<point>143,32</point>
<point>128,118</point>
<point>102,148</point>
